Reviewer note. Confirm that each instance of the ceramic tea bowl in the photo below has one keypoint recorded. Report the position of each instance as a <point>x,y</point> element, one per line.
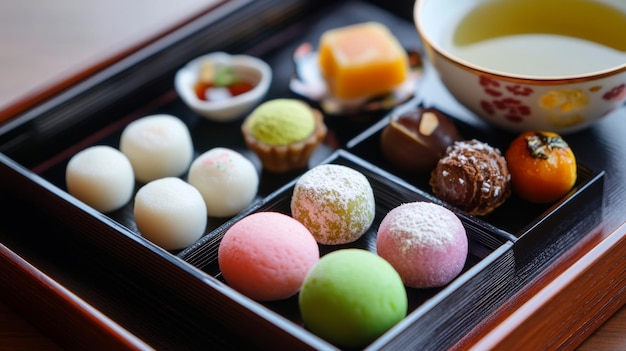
<point>554,81</point>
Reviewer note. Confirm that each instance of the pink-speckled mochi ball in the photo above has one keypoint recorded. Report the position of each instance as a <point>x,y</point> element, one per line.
<point>266,256</point>
<point>425,242</point>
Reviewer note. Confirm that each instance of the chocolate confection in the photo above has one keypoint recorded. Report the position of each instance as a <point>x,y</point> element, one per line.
<point>472,176</point>
<point>416,140</point>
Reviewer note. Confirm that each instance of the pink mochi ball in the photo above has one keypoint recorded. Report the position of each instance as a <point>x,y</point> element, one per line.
<point>425,242</point>
<point>266,256</point>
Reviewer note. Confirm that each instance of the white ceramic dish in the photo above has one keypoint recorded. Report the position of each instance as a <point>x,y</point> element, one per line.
<point>248,68</point>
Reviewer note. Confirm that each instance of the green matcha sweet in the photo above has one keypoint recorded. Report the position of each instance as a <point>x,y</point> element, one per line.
<point>281,122</point>
<point>284,133</point>
<point>351,297</point>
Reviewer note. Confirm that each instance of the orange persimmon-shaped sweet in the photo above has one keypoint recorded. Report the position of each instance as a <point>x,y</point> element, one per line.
<point>542,166</point>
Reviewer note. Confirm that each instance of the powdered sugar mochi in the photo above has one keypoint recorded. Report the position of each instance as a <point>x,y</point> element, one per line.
<point>335,202</point>
<point>425,242</point>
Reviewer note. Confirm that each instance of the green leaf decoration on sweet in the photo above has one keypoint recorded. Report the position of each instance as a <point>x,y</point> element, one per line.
<point>224,77</point>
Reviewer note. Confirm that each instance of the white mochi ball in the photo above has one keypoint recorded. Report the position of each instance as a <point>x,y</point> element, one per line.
<point>170,213</point>
<point>100,176</point>
<point>157,146</point>
<point>227,180</point>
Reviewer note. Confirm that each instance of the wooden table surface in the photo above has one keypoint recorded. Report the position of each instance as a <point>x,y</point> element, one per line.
<point>42,42</point>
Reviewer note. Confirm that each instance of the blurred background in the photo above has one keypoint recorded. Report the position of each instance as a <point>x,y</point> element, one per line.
<point>42,42</point>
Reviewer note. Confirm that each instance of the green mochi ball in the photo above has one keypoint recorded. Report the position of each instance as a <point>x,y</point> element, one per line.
<point>351,297</point>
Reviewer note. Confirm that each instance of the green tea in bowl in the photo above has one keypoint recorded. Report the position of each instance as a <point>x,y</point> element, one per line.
<point>541,37</point>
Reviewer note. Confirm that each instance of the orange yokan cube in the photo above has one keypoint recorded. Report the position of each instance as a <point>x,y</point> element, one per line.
<point>362,60</point>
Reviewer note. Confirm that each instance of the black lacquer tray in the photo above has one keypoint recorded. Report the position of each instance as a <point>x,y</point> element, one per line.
<point>176,300</point>
<point>488,271</point>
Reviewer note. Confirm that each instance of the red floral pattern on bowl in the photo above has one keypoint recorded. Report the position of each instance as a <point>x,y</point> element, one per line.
<point>518,105</point>
<point>504,104</point>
